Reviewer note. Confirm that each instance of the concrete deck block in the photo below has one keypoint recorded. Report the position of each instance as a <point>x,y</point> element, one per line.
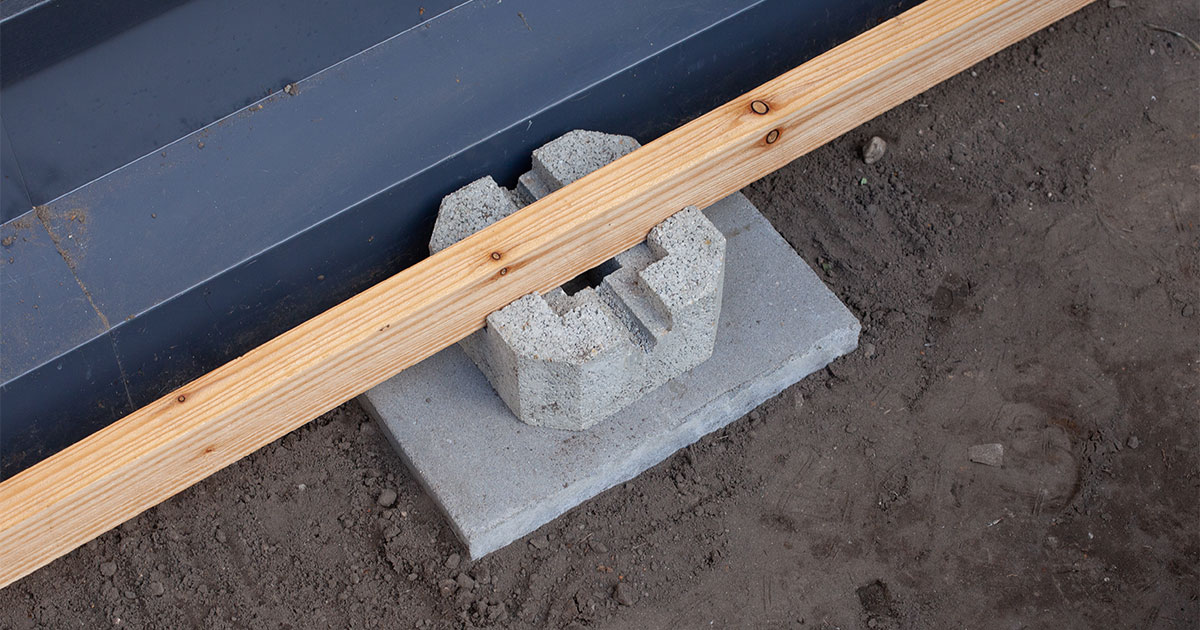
<point>468,210</point>
<point>569,361</point>
<point>569,158</point>
<point>498,480</point>
<point>578,153</point>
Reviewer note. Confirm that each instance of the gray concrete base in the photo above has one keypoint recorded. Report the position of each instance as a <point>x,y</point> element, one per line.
<point>498,479</point>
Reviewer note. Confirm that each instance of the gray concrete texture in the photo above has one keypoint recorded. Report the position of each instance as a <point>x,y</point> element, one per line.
<point>498,480</point>
<point>570,360</point>
<point>570,157</point>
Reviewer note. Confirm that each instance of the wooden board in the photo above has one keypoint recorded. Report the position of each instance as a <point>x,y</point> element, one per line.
<point>157,451</point>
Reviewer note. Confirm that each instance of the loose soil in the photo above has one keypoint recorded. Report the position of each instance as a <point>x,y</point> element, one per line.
<point>1024,260</point>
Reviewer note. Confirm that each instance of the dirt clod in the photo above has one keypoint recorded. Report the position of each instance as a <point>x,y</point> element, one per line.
<point>624,594</point>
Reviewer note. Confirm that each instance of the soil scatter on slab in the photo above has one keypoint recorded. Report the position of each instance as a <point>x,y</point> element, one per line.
<point>1024,259</point>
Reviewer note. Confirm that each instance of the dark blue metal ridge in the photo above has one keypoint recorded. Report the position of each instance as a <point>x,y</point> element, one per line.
<point>522,120</point>
<point>279,93</point>
<point>330,212</point>
<point>13,8</point>
<point>75,110</point>
<point>449,158</point>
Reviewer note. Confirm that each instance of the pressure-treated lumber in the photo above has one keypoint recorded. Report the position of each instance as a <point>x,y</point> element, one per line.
<point>159,450</point>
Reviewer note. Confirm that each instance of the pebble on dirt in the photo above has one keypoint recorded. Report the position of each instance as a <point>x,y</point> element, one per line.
<point>465,581</point>
<point>482,575</point>
<point>874,149</point>
<point>540,542</point>
<point>623,594</point>
<point>387,498</point>
<point>987,454</point>
<point>108,569</point>
<point>453,560</point>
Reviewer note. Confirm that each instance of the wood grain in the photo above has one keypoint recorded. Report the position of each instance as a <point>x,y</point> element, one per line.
<point>157,451</point>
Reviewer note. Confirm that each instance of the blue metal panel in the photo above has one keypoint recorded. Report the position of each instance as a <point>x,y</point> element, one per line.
<point>14,198</point>
<point>213,244</point>
<point>90,85</point>
<point>43,312</point>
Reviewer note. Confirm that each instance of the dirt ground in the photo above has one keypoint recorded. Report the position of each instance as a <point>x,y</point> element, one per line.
<point>1025,263</point>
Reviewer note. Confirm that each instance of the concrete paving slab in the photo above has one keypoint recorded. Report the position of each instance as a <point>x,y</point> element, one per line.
<point>498,479</point>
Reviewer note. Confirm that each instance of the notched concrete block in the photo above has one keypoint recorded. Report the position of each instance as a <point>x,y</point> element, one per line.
<point>568,361</point>
<point>468,210</point>
<point>570,157</point>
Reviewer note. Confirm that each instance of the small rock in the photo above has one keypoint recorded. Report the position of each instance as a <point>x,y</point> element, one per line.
<point>868,350</point>
<point>1188,310</point>
<point>447,587</point>
<point>465,581</point>
<point>108,569</point>
<point>874,149</point>
<point>540,542</point>
<point>1133,442</point>
<point>156,589</point>
<point>957,220</point>
<point>623,594</point>
<point>1117,4</point>
<point>987,454</point>
<point>453,560</point>
<point>387,498</point>
<point>220,536</point>
<point>599,547</point>
<point>482,575</point>
<point>959,154</point>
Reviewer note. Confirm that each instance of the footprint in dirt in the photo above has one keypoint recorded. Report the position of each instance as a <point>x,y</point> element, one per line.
<point>1039,466</point>
<point>950,297</point>
<point>877,603</point>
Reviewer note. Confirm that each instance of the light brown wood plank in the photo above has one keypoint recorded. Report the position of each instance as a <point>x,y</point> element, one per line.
<point>157,451</point>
